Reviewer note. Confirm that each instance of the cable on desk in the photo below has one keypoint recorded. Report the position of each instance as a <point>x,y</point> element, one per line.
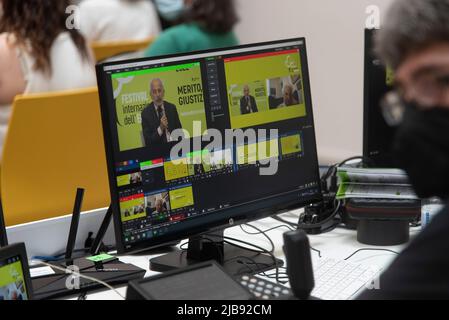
<point>279,219</point>
<point>275,262</point>
<point>281,275</point>
<point>259,250</point>
<point>316,250</point>
<point>260,231</point>
<point>314,226</point>
<point>271,229</point>
<point>76,274</point>
<point>282,278</point>
<point>253,262</point>
<point>331,227</point>
<point>267,230</point>
<point>183,246</point>
<point>371,249</point>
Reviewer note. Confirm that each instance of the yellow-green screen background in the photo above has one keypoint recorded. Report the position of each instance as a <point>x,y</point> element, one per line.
<point>260,70</point>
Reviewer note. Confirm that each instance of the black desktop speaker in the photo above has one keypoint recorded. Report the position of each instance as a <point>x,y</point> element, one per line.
<point>383,222</point>
<point>299,263</point>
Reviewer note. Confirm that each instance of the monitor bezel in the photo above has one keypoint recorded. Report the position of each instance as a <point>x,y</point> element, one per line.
<point>382,158</point>
<point>251,211</point>
<point>19,250</point>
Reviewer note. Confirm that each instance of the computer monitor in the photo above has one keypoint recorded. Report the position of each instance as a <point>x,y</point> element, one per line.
<point>162,192</point>
<point>3,235</point>
<point>378,135</point>
<point>15,280</point>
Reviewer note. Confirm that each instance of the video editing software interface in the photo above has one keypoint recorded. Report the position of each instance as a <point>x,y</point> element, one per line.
<point>256,87</point>
<point>12,280</point>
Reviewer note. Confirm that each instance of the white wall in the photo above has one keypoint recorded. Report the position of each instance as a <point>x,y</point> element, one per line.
<point>335,43</point>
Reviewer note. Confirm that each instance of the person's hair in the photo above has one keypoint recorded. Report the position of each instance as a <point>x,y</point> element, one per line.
<point>35,24</point>
<point>217,16</point>
<point>410,26</point>
<point>288,87</point>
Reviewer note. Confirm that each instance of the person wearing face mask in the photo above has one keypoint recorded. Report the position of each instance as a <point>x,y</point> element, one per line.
<point>170,12</point>
<point>415,42</point>
<point>205,24</point>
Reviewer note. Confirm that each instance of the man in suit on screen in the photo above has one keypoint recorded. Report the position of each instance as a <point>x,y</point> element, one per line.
<point>160,118</point>
<point>247,103</point>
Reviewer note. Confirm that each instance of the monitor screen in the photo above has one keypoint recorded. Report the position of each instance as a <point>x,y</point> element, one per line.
<point>378,135</point>
<point>12,280</point>
<point>205,140</point>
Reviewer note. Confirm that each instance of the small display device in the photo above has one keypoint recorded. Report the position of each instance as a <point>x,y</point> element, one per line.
<point>204,281</point>
<point>15,278</point>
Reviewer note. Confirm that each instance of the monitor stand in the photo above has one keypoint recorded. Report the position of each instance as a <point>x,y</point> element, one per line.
<point>236,261</point>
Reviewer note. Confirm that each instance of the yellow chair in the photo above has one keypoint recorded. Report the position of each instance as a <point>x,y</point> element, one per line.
<point>104,50</point>
<point>53,146</point>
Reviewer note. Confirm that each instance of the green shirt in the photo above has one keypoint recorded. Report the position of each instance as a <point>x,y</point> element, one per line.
<point>187,38</point>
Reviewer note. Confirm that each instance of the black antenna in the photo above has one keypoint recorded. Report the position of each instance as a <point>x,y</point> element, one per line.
<point>96,245</point>
<point>3,235</point>
<point>74,224</point>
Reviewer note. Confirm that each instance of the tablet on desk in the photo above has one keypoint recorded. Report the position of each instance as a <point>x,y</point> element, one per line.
<point>53,284</point>
<point>15,281</point>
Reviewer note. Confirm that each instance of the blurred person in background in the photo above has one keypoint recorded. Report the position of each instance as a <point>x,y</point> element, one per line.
<point>38,53</point>
<point>167,17</point>
<point>414,41</point>
<point>205,24</point>
<point>115,20</point>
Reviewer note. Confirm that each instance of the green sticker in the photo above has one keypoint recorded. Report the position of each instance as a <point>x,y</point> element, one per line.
<point>101,257</point>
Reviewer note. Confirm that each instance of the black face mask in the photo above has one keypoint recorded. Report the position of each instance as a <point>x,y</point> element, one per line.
<point>421,148</point>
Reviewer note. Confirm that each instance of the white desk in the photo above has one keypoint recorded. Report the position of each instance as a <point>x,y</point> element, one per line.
<point>338,244</point>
